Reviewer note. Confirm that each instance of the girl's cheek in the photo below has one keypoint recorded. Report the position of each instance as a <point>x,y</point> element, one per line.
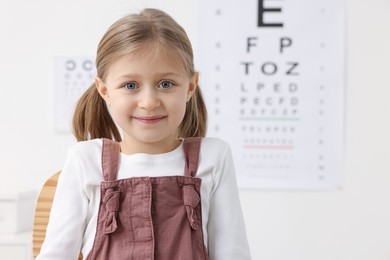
<point>124,101</point>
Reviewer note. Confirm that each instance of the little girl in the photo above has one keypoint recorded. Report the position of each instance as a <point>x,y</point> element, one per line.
<point>156,188</point>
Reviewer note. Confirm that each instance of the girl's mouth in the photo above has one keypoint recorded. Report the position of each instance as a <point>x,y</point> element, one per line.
<point>149,119</point>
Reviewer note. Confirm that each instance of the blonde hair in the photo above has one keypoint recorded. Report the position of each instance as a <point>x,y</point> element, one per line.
<point>129,34</point>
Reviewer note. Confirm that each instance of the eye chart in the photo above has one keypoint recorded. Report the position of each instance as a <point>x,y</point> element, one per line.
<point>74,75</point>
<point>272,72</point>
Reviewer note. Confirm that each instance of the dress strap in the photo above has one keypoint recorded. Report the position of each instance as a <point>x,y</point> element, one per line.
<point>110,159</point>
<point>191,148</point>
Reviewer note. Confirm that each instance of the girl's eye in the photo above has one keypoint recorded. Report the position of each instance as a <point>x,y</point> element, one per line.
<point>166,84</point>
<point>130,86</point>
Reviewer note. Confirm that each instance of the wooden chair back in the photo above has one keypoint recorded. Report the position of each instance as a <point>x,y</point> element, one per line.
<point>42,213</point>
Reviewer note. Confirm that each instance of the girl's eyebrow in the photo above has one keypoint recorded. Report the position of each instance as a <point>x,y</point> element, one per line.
<point>169,74</point>
<point>160,75</point>
<point>127,76</point>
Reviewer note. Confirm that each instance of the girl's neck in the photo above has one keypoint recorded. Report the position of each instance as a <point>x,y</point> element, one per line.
<point>129,147</point>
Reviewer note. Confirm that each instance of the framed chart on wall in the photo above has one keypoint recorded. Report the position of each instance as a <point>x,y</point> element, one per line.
<point>272,72</point>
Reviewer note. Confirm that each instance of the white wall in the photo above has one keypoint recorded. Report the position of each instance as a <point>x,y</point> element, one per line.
<point>350,224</point>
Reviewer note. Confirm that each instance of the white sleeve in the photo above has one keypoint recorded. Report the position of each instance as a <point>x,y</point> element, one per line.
<point>226,229</point>
<point>66,226</point>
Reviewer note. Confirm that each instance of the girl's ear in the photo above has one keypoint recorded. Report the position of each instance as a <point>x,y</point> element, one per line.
<point>193,85</point>
<point>102,89</point>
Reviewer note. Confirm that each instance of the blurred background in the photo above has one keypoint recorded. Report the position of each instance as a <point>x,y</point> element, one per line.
<point>352,223</point>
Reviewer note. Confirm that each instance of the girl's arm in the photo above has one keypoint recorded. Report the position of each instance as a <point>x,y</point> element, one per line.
<point>226,229</point>
<point>66,226</point>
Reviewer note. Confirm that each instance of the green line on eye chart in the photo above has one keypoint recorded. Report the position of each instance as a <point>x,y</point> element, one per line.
<point>247,118</point>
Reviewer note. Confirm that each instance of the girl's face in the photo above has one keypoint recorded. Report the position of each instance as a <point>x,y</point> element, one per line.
<point>147,92</point>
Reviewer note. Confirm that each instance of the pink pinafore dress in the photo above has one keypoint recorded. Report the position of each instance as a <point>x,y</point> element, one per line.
<point>147,218</point>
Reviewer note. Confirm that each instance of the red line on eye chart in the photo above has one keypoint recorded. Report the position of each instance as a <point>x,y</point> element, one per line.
<point>243,118</point>
<point>269,147</point>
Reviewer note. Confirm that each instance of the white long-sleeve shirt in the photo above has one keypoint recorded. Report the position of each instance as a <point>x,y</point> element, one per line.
<point>73,218</point>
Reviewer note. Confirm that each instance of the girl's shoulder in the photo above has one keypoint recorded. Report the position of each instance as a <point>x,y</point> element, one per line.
<point>217,143</point>
<point>92,149</point>
<point>214,146</point>
<point>87,146</point>
<point>88,150</point>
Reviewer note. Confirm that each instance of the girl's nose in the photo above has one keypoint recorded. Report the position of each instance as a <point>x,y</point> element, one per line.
<point>149,99</point>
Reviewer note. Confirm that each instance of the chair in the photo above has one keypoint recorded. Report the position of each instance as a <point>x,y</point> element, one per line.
<point>42,213</point>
